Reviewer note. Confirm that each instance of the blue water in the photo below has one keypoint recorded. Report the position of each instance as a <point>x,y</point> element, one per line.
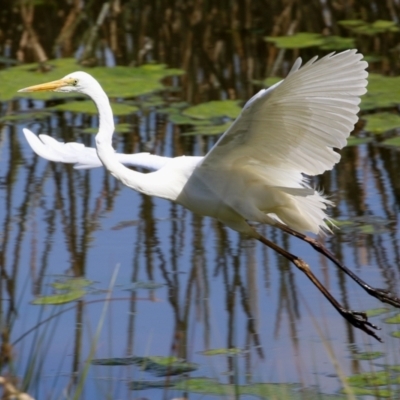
<point>56,221</point>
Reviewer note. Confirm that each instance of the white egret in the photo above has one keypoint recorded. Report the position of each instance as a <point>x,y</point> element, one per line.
<point>256,171</point>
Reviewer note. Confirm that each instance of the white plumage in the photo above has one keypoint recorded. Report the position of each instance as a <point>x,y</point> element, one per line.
<point>257,171</point>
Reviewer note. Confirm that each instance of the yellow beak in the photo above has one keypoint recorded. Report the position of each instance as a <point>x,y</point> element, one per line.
<point>48,87</point>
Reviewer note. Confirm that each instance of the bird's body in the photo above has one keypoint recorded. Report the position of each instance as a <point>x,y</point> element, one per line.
<point>257,171</point>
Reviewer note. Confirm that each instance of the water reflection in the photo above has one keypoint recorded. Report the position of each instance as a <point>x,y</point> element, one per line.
<point>219,290</point>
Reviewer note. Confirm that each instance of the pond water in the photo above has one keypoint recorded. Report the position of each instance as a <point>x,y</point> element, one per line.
<point>163,282</point>
<point>182,284</point>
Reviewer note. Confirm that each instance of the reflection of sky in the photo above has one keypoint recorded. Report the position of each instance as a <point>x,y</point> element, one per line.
<point>293,348</point>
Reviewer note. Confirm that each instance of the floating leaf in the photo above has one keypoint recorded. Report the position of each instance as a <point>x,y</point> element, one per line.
<point>376,311</point>
<point>157,365</point>
<point>73,288</point>
<point>151,102</point>
<point>381,122</point>
<point>376,393</point>
<point>372,58</point>
<point>259,390</point>
<point>395,334</point>
<point>179,119</point>
<point>393,320</point>
<point>355,141</point>
<point>142,385</point>
<point>24,116</point>
<point>88,107</point>
<point>351,23</point>
<point>56,299</point>
<point>303,40</point>
<point>223,351</point>
<point>342,223</point>
<point>392,142</point>
<point>368,229</point>
<point>214,109</point>
<point>368,355</point>
<point>209,130</point>
<point>337,43</point>
<point>271,81</point>
<point>173,108</point>
<point>121,128</point>
<point>379,378</point>
<point>383,92</point>
<point>363,28</point>
<point>72,283</point>
<point>299,40</point>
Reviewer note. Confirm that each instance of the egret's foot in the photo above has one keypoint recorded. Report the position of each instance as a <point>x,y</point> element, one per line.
<point>385,296</point>
<point>360,321</point>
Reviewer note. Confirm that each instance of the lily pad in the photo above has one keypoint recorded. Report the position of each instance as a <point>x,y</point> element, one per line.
<point>303,40</point>
<point>395,334</point>
<point>223,351</point>
<point>72,283</point>
<point>367,229</point>
<point>340,223</point>
<point>88,107</point>
<point>299,40</point>
<point>157,365</point>
<point>209,130</point>
<point>57,299</point>
<point>383,92</point>
<point>161,384</point>
<point>378,378</point>
<point>337,43</point>
<point>368,355</point>
<point>214,109</point>
<point>121,128</point>
<point>379,123</point>
<point>73,288</point>
<point>179,119</point>
<point>373,58</point>
<point>351,23</point>
<point>392,142</point>
<point>371,29</point>
<point>173,108</point>
<point>26,116</point>
<point>376,393</point>
<point>118,82</point>
<point>393,320</point>
<point>355,141</point>
<point>281,391</point>
<point>271,81</point>
<point>151,102</point>
<point>376,311</point>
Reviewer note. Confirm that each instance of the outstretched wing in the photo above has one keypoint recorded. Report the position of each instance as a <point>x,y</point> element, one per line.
<point>86,157</point>
<point>293,126</point>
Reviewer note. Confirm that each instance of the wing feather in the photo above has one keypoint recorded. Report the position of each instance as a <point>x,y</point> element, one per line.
<point>86,157</point>
<point>294,125</point>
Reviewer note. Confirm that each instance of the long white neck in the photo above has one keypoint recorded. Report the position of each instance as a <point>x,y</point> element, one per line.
<point>105,151</point>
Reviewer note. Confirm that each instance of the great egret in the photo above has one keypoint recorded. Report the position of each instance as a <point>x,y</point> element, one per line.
<point>255,172</point>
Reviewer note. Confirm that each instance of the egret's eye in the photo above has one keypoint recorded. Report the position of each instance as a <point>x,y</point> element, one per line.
<point>74,82</point>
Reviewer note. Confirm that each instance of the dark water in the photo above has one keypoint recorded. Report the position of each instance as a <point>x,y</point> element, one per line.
<point>201,286</point>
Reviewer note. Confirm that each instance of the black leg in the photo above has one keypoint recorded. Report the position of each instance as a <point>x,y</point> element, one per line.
<point>383,295</point>
<point>357,319</point>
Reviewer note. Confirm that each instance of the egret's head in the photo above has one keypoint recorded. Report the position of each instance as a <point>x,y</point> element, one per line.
<point>75,82</point>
